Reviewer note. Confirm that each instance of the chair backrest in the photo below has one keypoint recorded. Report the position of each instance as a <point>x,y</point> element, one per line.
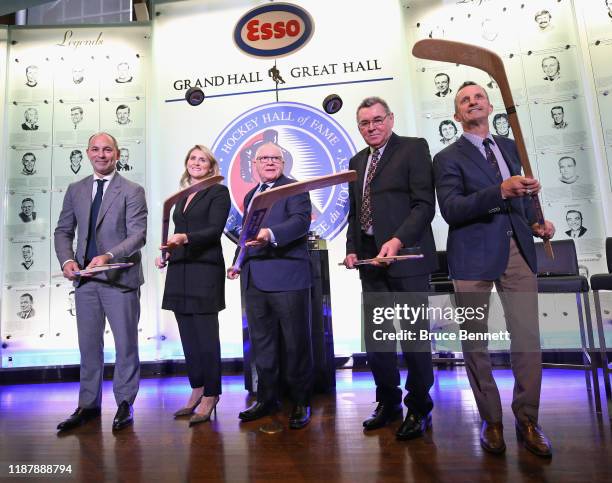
<point>565,261</point>
<point>609,253</point>
<point>442,272</point>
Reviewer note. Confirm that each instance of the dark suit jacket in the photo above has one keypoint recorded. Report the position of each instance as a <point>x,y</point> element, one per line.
<point>26,127</point>
<point>480,221</point>
<point>195,282</point>
<point>27,219</point>
<point>285,266</point>
<point>403,202</point>
<point>121,228</point>
<point>581,232</point>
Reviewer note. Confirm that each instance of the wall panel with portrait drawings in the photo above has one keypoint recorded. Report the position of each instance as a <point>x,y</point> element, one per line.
<point>62,328</point>
<point>29,168</point>
<point>131,162</point>
<point>25,312</point>
<point>545,24</point>
<point>440,131</point>
<point>581,222</point>
<point>75,121</point>
<point>124,118</point>
<point>70,163</point>
<point>27,260</point>
<point>552,73</point>
<point>436,83</point>
<point>560,123</point>
<point>567,175</point>
<point>27,213</point>
<point>540,46</point>
<point>30,123</point>
<point>57,81</point>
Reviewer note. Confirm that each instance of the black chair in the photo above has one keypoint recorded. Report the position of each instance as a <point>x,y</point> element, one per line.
<point>561,275</point>
<point>440,283</point>
<point>603,281</point>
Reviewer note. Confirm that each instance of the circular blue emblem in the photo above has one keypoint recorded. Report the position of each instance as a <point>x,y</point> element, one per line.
<point>313,144</point>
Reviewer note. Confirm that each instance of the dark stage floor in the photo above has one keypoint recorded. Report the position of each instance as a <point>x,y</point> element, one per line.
<point>332,448</point>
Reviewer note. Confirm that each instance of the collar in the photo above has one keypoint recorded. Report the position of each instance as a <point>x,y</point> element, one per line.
<point>381,149</point>
<point>108,177</point>
<point>476,140</point>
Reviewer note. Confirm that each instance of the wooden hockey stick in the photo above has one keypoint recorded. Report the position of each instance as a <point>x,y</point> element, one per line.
<point>396,258</point>
<point>262,202</point>
<point>491,63</point>
<point>178,196</point>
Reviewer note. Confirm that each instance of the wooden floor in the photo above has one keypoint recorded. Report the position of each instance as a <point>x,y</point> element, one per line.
<point>332,448</point>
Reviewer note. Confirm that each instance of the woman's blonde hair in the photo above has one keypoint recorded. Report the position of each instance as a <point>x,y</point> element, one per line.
<point>214,164</point>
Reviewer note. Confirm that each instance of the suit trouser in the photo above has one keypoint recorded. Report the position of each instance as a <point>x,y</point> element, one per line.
<point>384,366</point>
<point>521,313</point>
<point>202,349</point>
<point>94,302</point>
<point>272,315</point>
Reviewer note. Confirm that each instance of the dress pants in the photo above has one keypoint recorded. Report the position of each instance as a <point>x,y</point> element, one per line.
<point>202,349</point>
<point>518,290</point>
<point>94,301</point>
<point>272,315</point>
<point>384,364</point>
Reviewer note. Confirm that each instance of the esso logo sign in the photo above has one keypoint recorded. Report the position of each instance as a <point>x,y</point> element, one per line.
<point>273,30</point>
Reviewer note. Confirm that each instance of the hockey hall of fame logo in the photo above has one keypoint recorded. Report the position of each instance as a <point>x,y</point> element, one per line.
<point>313,144</point>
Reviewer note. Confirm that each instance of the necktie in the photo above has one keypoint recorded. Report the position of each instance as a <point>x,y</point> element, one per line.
<point>365,217</point>
<point>261,189</point>
<point>92,250</point>
<point>491,159</point>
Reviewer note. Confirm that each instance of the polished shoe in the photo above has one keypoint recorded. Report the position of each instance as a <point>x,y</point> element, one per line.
<point>188,410</point>
<point>300,416</point>
<point>492,437</point>
<point>383,415</point>
<point>258,410</point>
<point>124,416</point>
<point>414,426</point>
<point>78,417</point>
<point>198,418</point>
<point>533,438</point>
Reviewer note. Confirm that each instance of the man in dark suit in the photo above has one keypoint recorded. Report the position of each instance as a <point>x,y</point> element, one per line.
<point>487,205</point>
<point>392,204</point>
<point>108,214</point>
<point>276,281</point>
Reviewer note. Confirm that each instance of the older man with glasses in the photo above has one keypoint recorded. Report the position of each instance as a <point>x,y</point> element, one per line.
<point>392,204</point>
<point>276,281</point>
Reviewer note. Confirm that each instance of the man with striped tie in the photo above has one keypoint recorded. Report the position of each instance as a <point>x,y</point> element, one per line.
<point>392,204</point>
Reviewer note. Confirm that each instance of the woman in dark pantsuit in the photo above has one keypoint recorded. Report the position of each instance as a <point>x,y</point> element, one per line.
<point>195,282</point>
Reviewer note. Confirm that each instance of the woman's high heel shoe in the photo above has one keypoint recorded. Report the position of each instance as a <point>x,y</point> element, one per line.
<point>202,418</point>
<point>188,410</point>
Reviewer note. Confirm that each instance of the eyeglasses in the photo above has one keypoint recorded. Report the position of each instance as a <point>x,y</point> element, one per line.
<point>270,159</point>
<point>376,122</point>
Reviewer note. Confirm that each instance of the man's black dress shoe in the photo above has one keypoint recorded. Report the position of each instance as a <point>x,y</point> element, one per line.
<point>383,415</point>
<point>258,410</point>
<point>124,416</point>
<point>300,416</point>
<point>78,417</point>
<point>414,426</point>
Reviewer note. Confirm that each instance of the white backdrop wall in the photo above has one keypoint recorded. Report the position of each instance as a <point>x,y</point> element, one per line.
<point>193,40</point>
